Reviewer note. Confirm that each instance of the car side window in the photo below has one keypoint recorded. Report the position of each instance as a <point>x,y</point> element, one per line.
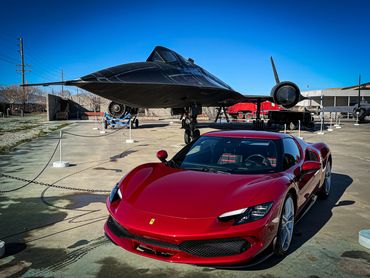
<point>311,156</point>
<point>291,153</point>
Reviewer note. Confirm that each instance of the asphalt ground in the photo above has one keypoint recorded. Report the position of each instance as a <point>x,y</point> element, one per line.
<point>55,232</point>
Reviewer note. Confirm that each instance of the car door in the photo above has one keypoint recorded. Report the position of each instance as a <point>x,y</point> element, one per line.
<point>292,163</point>
<point>312,179</point>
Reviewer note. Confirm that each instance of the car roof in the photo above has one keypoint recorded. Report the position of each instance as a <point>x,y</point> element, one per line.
<point>248,134</point>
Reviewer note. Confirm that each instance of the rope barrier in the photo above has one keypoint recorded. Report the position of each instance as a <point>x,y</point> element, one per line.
<point>52,185</point>
<point>39,174</point>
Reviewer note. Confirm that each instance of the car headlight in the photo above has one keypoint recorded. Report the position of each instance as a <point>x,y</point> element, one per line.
<point>115,194</point>
<point>246,215</point>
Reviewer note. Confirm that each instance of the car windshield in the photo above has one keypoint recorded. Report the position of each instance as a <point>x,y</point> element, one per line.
<point>230,155</point>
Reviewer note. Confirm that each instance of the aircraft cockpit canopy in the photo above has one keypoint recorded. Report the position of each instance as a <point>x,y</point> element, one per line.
<point>164,55</point>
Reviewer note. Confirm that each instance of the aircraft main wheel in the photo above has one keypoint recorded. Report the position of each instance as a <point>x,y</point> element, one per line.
<point>196,134</point>
<point>286,227</point>
<point>187,136</point>
<point>292,126</point>
<point>310,125</point>
<point>361,114</point>
<point>325,189</point>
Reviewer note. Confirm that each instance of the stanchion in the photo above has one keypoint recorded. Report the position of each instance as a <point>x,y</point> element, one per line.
<point>60,163</point>
<point>299,130</point>
<point>284,128</point>
<point>331,120</point>
<point>338,126</point>
<point>336,121</point>
<point>321,132</point>
<point>356,123</point>
<point>130,140</point>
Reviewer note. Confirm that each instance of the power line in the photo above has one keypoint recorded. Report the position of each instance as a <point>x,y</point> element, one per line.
<point>6,60</point>
<point>8,57</point>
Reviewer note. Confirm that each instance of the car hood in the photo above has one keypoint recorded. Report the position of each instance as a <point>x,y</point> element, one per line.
<point>159,189</point>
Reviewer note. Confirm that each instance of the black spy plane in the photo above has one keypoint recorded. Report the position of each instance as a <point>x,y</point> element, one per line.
<point>167,80</point>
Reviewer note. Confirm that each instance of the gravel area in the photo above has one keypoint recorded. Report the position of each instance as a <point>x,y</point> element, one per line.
<point>16,130</point>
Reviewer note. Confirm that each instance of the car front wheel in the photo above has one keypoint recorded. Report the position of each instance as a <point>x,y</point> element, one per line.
<point>286,227</point>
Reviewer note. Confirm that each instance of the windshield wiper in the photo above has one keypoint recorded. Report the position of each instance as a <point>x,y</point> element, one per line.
<point>210,170</point>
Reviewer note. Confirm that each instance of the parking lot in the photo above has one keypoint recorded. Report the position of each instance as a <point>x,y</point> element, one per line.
<point>51,231</point>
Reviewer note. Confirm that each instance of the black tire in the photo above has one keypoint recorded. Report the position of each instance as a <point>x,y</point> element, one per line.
<point>187,137</point>
<point>196,134</point>
<point>310,125</point>
<point>325,188</point>
<point>361,114</point>
<point>281,246</point>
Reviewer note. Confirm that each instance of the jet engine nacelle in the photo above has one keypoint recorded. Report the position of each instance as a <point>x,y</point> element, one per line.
<point>118,110</point>
<point>286,94</point>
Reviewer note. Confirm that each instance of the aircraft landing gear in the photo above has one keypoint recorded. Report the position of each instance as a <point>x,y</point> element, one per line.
<point>189,124</point>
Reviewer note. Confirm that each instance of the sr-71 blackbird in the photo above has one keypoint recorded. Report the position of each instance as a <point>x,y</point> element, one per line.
<point>167,80</point>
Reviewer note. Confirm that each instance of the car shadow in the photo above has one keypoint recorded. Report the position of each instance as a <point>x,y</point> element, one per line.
<point>311,223</point>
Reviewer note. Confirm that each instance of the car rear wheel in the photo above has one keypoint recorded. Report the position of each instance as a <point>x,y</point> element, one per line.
<point>286,227</point>
<point>325,189</point>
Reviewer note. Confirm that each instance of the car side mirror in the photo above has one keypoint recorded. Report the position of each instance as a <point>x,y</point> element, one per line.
<point>162,155</point>
<point>310,166</point>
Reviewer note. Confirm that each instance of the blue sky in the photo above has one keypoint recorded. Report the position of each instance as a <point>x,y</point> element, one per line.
<point>317,44</point>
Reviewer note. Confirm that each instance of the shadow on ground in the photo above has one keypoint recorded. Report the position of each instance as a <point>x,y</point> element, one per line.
<point>315,219</point>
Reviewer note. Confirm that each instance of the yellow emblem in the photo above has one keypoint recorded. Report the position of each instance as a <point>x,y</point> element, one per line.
<point>151,222</point>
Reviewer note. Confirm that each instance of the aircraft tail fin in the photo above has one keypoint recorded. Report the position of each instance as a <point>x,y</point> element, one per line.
<point>277,80</point>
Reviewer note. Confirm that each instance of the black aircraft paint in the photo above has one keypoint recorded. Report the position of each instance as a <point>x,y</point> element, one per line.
<point>167,80</point>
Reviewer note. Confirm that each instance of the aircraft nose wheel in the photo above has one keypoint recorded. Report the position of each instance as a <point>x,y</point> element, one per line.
<point>190,136</point>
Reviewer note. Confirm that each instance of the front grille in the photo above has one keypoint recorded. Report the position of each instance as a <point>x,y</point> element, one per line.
<point>215,247</point>
<point>119,231</point>
<point>200,248</point>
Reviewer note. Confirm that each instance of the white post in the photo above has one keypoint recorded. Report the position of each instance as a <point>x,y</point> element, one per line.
<point>331,120</point>
<point>284,128</point>
<point>60,147</point>
<point>130,140</point>
<point>338,126</point>
<point>299,129</point>
<point>321,132</point>
<point>356,123</point>
<point>60,163</point>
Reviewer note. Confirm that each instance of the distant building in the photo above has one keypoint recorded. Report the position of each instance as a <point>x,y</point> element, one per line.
<point>335,97</point>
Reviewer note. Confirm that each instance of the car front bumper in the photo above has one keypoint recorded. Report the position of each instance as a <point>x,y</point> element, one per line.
<point>233,246</point>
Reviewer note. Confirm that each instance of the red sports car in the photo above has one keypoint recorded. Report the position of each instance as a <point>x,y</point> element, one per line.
<point>221,200</point>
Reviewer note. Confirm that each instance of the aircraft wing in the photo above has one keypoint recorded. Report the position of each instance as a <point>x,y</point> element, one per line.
<point>167,80</point>
<point>155,94</point>
<point>257,98</point>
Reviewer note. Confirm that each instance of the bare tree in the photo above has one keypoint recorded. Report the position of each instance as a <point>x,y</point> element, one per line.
<point>90,101</point>
<point>65,94</point>
<point>11,94</point>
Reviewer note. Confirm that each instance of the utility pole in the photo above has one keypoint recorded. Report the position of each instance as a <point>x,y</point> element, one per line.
<point>23,71</point>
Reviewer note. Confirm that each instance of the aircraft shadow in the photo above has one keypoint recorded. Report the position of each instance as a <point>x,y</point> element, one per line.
<point>312,222</point>
<point>152,125</point>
